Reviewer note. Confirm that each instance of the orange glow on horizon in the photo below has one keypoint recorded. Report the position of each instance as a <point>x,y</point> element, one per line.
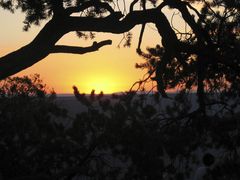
<point>102,83</point>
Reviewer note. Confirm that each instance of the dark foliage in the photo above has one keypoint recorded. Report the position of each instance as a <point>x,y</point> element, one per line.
<point>29,131</point>
<point>126,136</point>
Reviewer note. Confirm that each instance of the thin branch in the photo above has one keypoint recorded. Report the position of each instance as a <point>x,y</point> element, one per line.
<point>142,29</point>
<point>143,4</point>
<point>132,5</point>
<point>123,37</point>
<point>80,50</point>
<point>186,34</point>
<point>140,39</point>
<point>139,83</point>
<point>194,9</point>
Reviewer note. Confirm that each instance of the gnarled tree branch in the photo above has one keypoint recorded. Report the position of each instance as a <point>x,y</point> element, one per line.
<point>45,41</point>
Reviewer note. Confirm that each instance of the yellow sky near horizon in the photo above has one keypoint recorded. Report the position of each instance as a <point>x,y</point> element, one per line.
<point>111,69</point>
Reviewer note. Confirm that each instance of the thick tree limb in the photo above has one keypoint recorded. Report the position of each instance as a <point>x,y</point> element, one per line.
<point>79,50</point>
<point>169,38</point>
<point>111,23</point>
<point>58,8</point>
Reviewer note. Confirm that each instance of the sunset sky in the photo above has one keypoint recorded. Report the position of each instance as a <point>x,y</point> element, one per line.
<point>111,69</point>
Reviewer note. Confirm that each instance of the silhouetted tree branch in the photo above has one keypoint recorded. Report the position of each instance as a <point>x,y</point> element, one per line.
<point>45,41</point>
<point>80,50</point>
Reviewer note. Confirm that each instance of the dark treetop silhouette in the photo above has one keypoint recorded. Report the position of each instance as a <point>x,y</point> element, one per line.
<point>207,54</point>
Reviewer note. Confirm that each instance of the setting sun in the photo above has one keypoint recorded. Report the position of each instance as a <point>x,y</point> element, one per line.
<point>100,83</point>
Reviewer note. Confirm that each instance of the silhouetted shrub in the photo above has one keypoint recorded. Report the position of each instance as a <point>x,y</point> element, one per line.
<point>123,136</point>
<point>29,131</point>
